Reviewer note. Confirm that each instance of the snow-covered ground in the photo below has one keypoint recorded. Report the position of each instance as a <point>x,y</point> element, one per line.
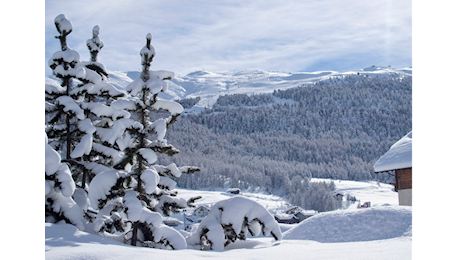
<point>377,194</point>
<point>379,232</point>
<point>375,223</point>
<point>66,242</point>
<point>270,202</point>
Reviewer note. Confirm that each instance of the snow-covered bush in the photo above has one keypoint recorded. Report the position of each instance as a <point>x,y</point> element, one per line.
<point>120,210</point>
<point>131,198</point>
<point>59,187</point>
<point>230,220</point>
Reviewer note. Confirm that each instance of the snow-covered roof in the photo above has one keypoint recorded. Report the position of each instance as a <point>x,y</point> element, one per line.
<point>398,157</point>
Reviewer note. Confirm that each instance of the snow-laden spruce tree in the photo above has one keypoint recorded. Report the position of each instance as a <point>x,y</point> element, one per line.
<point>69,130</point>
<point>78,112</point>
<point>59,187</point>
<point>103,91</point>
<point>230,220</point>
<point>131,198</point>
<point>97,108</point>
<point>95,44</point>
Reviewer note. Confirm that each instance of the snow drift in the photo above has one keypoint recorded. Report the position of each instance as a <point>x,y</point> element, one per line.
<point>355,225</point>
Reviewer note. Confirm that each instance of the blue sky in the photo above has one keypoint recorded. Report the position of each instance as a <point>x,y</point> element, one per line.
<point>267,35</point>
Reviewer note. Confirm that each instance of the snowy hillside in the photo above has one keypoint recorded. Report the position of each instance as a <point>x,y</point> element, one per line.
<point>210,85</point>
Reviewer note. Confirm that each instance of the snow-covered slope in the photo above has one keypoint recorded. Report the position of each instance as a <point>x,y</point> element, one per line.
<point>210,85</point>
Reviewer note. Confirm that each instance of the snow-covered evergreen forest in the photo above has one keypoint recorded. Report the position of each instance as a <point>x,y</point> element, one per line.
<point>276,142</point>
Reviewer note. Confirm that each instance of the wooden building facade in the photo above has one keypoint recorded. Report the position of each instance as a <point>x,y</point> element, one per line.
<point>403,186</point>
<point>403,179</point>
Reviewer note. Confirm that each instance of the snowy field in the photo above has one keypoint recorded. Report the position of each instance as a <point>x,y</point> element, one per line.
<point>367,191</point>
<point>270,202</point>
<point>379,232</point>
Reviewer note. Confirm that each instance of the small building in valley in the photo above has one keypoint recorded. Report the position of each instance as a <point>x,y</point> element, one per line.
<point>294,215</point>
<point>201,211</point>
<point>399,159</point>
<point>234,191</point>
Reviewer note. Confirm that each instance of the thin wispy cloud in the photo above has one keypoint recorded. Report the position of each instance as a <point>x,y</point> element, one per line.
<point>237,35</point>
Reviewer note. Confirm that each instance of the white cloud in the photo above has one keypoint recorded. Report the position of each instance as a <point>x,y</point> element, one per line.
<point>228,35</point>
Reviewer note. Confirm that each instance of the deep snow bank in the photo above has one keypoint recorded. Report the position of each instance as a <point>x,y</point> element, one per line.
<point>355,225</point>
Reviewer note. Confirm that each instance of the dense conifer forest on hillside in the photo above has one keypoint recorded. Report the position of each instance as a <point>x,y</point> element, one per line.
<point>277,142</point>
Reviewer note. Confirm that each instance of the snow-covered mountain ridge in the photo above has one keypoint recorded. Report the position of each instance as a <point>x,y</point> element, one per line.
<point>210,85</point>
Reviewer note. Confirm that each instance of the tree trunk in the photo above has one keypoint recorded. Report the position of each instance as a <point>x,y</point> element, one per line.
<point>68,137</point>
<point>66,83</point>
<point>134,237</point>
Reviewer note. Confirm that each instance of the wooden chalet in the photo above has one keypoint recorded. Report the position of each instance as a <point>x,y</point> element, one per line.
<point>399,160</point>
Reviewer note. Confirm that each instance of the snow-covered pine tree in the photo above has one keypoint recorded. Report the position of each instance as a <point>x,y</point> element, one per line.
<point>76,110</point>
<point>129,199</point>
<point>104,91</point>
<point>59,187</point>
<point>97,108</point>
<point>69,131</point>
<point>95,45</point>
